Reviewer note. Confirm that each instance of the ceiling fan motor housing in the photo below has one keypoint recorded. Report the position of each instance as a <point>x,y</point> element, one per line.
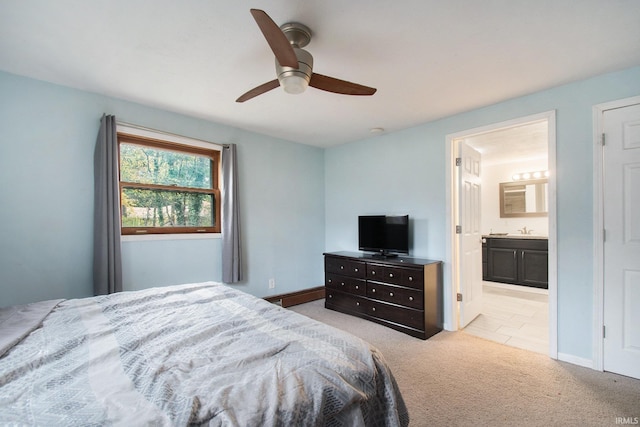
<point>296,80</point>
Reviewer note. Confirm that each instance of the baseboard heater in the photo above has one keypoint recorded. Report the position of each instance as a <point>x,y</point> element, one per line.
<point>298,297</point>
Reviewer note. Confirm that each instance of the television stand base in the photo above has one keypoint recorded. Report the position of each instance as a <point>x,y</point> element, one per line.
<point>383,256</point>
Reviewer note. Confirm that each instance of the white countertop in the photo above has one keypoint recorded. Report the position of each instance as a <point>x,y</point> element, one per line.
<point>514,236</point>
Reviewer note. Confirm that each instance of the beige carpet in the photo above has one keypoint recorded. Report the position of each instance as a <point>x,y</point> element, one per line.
<point>455,379</point>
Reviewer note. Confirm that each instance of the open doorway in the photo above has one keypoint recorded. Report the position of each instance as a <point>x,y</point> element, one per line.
<point>514,312</point>
<point>500,306</point>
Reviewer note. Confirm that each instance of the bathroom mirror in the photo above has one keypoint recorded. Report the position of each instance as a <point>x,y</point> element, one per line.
<point>523,198</point>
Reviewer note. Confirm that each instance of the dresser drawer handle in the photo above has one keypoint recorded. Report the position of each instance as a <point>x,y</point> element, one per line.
<point>373,290</point>
<point>410,298</point>
<point>355,269</point>
<point>330,296</point>
<point>390,274</point>
<point>342,267</point>
<point>373,309</point>
<point>357,287</point>
<point>330,281</point>
<point>357,303</point>
<point>390,294</point>
<point>411,278</point>
<point>342,284</point>
<point>373,273</point>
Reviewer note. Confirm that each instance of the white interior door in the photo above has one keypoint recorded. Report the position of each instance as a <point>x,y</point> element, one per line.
<point>621,199</point>
<point>470,237</point>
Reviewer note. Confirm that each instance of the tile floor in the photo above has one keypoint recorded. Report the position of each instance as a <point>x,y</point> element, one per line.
<point>513,316</point>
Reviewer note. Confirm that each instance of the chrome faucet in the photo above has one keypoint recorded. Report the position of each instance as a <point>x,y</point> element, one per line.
<point>524,230</point>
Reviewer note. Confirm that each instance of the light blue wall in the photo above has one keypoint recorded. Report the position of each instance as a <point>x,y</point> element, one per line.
<point>404,172</point>
<point>297,201</point>
<point>47,135</point>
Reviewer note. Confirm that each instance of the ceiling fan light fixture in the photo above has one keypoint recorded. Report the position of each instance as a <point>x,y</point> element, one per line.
<point>296,80</point>
<point>294,83</point>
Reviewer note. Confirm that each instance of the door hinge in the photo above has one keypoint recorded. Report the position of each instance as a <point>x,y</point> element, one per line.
<point>604,235</point>
<point>602,140</point>
<point>458,229</point>
<point>604,331</point>
<point>458,161</point>
<point>459,297</point>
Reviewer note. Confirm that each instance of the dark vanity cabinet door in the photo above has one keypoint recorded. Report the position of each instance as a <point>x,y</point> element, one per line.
<point>518,261</point>
<point>533,268</point>
<point>485,267</point>
<point>503,265</point>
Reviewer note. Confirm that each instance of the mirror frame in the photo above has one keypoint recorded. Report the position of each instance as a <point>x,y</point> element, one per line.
<point>504,185</point>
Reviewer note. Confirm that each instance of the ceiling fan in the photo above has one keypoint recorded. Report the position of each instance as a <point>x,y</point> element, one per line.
<point>294,65</point>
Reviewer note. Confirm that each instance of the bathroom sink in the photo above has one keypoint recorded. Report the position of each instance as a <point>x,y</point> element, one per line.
<point>526,236</point>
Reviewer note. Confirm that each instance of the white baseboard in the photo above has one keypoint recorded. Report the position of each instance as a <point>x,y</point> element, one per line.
<point>580,361</point>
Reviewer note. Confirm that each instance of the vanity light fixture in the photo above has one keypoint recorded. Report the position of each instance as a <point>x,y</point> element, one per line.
<point>530,175</point>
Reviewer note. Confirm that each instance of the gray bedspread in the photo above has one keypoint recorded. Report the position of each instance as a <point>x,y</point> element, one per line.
<point>193,354</point>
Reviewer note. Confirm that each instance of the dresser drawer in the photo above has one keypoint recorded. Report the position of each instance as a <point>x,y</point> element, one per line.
<point>375,272</point>
<point>345,267</point>
<point>397,314</point>
<point>398,295</point>
<point>346,284</point>
<point>345,302</point>
<point>411,277</point>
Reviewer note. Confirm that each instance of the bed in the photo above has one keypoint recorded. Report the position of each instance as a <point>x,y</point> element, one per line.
<point>202,353</point>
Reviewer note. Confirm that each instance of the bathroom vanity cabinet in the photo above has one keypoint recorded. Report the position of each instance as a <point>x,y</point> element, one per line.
<point>518,261</point>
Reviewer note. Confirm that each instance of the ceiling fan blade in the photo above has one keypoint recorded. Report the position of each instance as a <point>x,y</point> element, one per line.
<point>275,37</point>
<point>331,84</point>
<point>259,90</point>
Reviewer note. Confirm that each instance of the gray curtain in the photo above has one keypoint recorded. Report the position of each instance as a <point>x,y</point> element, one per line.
<point>107,260</point>
<point>231,250</point>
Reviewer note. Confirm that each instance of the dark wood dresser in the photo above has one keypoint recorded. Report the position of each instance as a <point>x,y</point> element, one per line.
<point>400,292</point>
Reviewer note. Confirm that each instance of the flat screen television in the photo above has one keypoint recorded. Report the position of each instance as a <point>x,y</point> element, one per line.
<point>386,235</point>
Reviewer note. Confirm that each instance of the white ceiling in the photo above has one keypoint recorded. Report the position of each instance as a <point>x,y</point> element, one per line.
<point>525,142</point>
<point>428,58</point>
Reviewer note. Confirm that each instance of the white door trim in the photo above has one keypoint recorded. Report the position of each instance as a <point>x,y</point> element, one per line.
<point>598,226</point>
<point>451,266</point>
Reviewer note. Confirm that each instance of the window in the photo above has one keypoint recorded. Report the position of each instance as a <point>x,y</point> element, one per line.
<point>167,188</point>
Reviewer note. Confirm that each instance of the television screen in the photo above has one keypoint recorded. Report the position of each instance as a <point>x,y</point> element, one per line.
<point>383,234</point>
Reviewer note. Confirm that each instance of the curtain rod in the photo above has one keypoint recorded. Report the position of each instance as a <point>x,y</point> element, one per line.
<point>134,126</point>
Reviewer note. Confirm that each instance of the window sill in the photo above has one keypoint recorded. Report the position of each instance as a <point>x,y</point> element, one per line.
<point>155,237</point>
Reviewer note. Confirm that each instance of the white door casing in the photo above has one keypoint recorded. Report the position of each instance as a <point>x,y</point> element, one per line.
<point>470,236</point>
<point>452,268</point>
<point>621,248</point>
